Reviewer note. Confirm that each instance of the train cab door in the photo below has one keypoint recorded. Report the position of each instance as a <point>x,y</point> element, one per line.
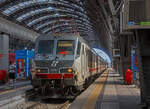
<point>83,63</point>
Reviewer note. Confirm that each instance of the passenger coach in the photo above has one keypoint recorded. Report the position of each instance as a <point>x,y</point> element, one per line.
<point>64,65</point>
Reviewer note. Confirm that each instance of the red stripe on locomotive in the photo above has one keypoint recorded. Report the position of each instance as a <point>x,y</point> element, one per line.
<point>49,76</point>
<point>54,75</point>
<point>68,75</point>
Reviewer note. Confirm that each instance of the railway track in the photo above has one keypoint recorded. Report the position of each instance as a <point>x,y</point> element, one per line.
<point>32,101</point>
<point>44,105</point>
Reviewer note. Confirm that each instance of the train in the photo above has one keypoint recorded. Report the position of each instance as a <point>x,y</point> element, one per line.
<point>64,65</point>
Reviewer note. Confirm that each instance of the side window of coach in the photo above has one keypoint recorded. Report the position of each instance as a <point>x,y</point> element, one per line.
<point>82,49</point>
<point>79,48</point>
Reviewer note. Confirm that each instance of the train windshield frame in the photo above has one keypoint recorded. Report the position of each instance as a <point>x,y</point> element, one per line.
<point>65,47</point>
<point>46,46</point>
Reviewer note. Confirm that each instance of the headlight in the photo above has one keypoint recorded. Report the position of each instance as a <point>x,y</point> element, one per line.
<point>66,70</point>
<point>38,70</point>
<point>42,70</point>
<point>70,70</point>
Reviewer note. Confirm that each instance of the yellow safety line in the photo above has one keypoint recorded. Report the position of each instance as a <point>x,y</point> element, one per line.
<point>13,90</point>
<point>92,98</point>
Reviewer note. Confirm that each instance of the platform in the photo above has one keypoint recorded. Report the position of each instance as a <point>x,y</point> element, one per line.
<point>11,95</point>
<point>108,92</point>
<point>18,83</point>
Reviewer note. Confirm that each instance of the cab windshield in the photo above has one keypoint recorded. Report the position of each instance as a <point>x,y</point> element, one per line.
<point>46,46</point>
<point>65,47</point>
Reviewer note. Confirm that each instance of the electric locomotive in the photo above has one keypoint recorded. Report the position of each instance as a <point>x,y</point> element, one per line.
<point>64,65</point>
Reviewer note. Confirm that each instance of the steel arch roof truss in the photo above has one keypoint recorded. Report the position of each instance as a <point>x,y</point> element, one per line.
<point>39,14</point>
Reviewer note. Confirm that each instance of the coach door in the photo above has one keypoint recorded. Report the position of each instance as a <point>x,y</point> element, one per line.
<point>83,67</point>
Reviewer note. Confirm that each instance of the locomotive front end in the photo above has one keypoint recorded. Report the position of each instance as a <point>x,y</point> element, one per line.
<point>54,59</point>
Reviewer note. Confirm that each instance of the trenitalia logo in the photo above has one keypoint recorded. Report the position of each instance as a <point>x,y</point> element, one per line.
<point>54,63</point>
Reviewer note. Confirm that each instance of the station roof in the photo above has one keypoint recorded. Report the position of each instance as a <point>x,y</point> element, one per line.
<point>48,16</point>
<point>40,15</point>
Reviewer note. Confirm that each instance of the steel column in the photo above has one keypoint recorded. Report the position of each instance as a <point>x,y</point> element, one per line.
<point>4,47</point>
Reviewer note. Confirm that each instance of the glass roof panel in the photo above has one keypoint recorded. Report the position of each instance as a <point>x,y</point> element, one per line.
<point>50,22</point>
<point>25,4</point>
<point>44,17</point>
<point>31,2</point>
<point>60,15</point>
<point>31,13</point>
<point>78,22</point>
<point>65,25</point>
<point>48,29</point>
<point>51,16</point>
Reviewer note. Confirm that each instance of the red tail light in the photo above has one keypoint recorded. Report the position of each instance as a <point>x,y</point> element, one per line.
<point>63,52</point>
